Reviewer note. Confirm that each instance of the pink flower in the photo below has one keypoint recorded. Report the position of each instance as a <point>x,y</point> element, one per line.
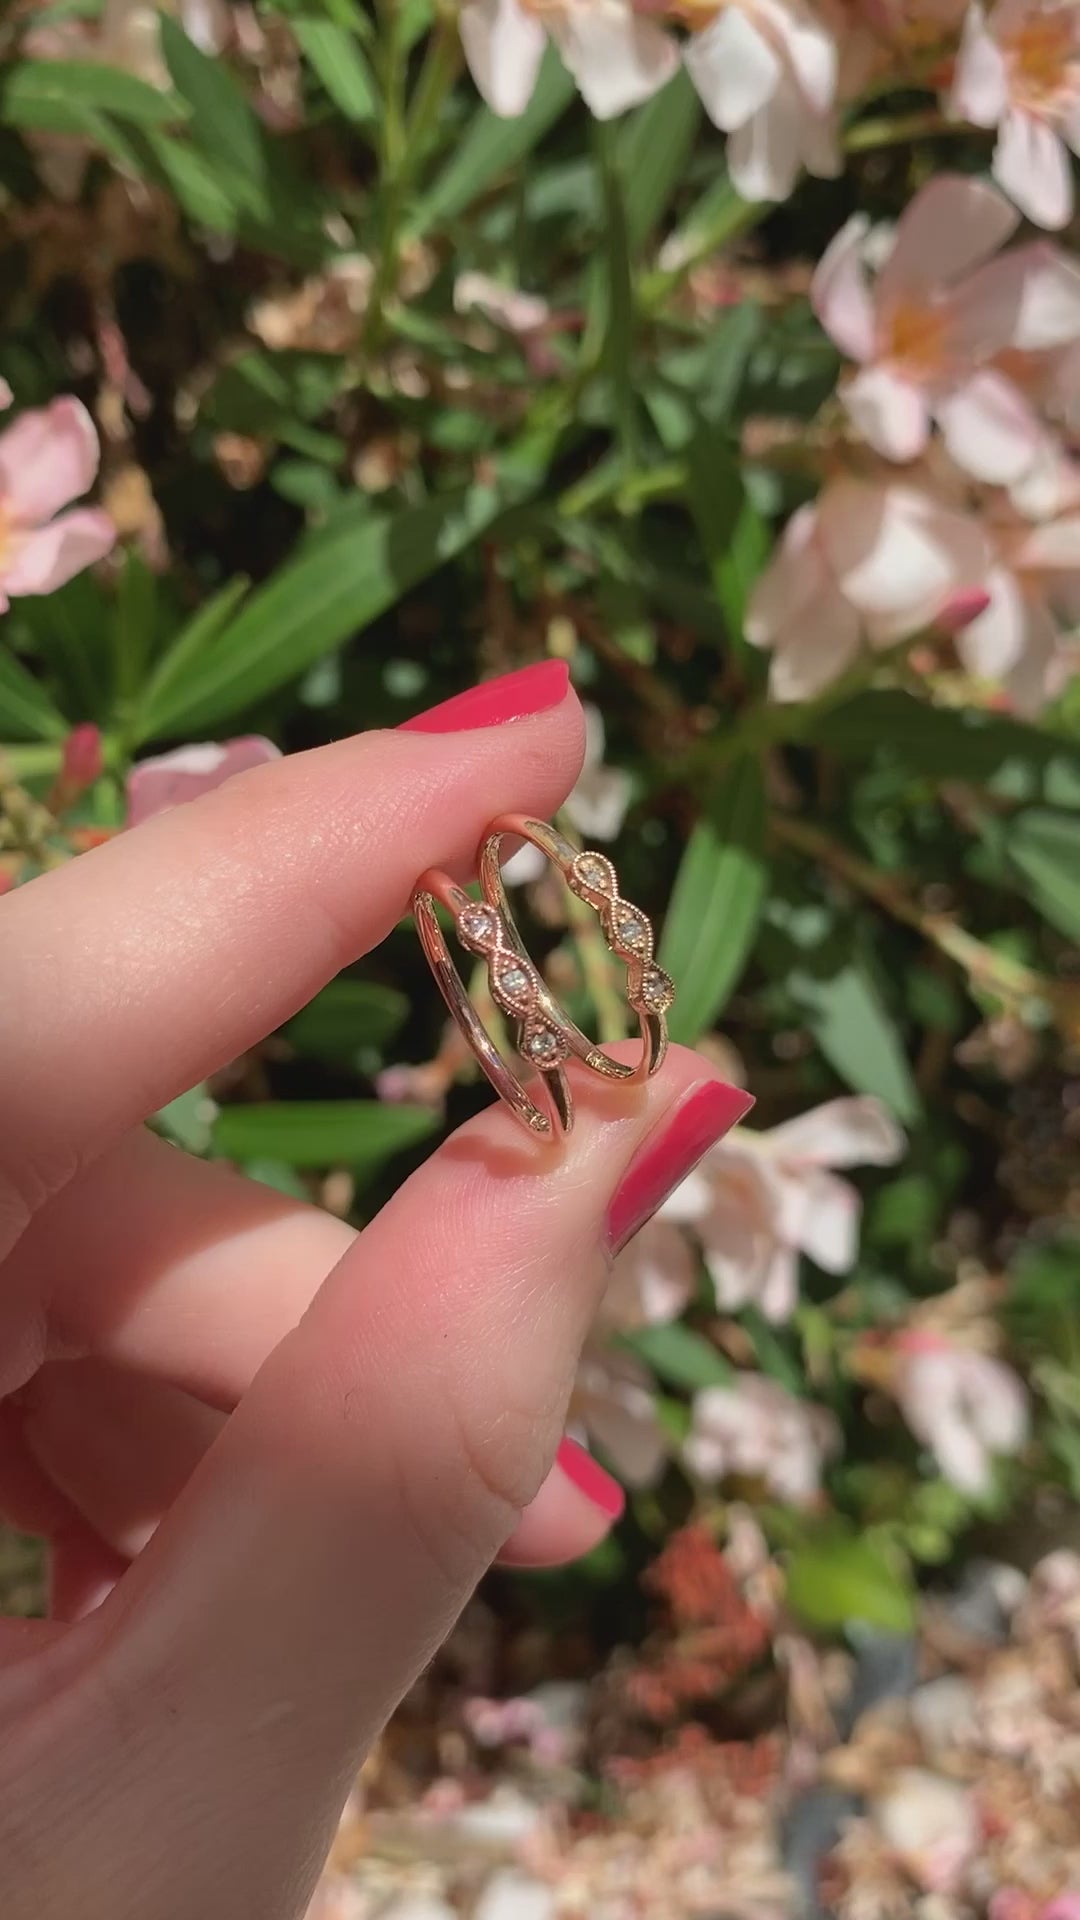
<point>760,1200</point>
<point>614,1401</point>
<point>651,1281</point>
<point>1034,588</point>
<point>931,1824</point>
<point>1019,71</point>
<point>872,561</point>
<point>48,458</point>
<point>767,72</point>
<point>756,1430</point>
<point>963,1405</point>
<point>153,786</point>
<point>81,764</point>
<point>940,311</point>
<point>616,55</point>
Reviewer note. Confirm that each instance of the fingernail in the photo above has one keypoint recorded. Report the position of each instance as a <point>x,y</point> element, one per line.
<point>513,696</point>
<point>590,1479</point>
<point>667,1157</point>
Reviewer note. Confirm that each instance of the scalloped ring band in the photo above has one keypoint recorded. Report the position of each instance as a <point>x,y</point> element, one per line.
<point>546,1036</point>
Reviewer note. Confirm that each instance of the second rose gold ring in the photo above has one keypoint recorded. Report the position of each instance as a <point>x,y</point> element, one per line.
<point>546,1035</point>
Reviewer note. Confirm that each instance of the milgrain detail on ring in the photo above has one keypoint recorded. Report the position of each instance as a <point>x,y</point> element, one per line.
<point>515,985</point>
<point>627,930</point>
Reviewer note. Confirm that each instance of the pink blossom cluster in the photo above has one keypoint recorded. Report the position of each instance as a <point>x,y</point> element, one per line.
<point>953,502</point>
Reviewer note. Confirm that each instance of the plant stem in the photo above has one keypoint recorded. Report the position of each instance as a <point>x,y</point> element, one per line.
<point>406,137</point>
<point>893,130</point>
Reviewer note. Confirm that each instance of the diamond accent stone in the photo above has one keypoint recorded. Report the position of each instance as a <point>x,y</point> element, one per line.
<point>592,871</point>
<point>541,1045</point>
<point>631,931</point>
<point>514,981</point>
<point>657,990</point>
<point>477,923</point>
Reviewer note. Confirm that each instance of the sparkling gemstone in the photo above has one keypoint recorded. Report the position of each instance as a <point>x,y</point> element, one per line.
<point>657,990</point>
<point>477,923</point>
<point>592,870</point>
<point>514,981</point>
<point>541,1045</point>
<point>631,931</point>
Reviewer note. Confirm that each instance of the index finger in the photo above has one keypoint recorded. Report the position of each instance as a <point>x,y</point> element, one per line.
<point>146,965</point>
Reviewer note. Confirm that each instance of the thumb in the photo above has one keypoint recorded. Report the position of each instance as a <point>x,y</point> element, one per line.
<point>381,1458</point>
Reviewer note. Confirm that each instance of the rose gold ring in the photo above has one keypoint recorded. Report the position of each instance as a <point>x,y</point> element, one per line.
<point>516,987</point>
<point>591,876</point>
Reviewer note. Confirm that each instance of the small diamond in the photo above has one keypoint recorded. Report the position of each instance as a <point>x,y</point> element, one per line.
<point>477,923</point>
<point>514,981</point>
<point>541,1045</point>
<point>631,931</point>
<point>592,871</point>
<point>657,990</point>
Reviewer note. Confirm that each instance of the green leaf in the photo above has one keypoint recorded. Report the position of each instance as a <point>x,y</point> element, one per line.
<point>26,711</point>
<point>194,181</point>
<point>856,1033</point>
<point>717,900</point>
<point>680,1356</point>
<point>494,147</point>
<point>953,743</point>
<point>222,123</point>
<point>1045,847</point>
<point>188,1121</point>
<point>170,674</point>
<point>345,1016</point>
<point>336,57</point>
<point>339,583</point>
<point>54,96</point>
<point>840,1578</point>
<point>321,1133</point>
<point>733,534</point>
<point>611,302</point>
<point>654,147</point>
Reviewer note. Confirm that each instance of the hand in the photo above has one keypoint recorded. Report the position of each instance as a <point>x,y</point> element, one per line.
<point>273,1457</point>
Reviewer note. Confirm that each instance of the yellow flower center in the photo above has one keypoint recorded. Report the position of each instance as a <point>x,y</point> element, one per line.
<point>1043,58</point>
<point>916,337</point>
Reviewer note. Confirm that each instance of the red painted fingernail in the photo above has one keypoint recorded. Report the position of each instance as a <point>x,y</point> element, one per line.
<point>666,1158</point>
<point>513,696</point>
<point>590,1479</point>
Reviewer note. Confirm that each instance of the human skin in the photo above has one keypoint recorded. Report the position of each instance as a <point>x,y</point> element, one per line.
<point>272,1456</point>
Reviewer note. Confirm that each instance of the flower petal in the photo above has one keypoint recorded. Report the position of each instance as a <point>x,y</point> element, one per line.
<point>897,553</point>
<point>1032,165</point>
<point>617,58</point>
<point>993,642</point>
<point>1044,669</point>
<point>980,88</point>
<point>1054,546</point>
<point>949,229</point>
<point>48,457</point>
<point>849,1132</point>
<point>778,1295</point>
<point>46,557</point>
<point>1047,310</point>
<point>794,577</point>
<point>840,291</point>
<point>765,156</point>
<point>989,428</point>
<point>169,779</point>
<point>733,68</point>
<point>504,46</point>
<point>818,649</point>
<point>890,412</point>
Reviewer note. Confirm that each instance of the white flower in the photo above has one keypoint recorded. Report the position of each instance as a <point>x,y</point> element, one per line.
<point>871,561</point>
<point>931,1824</point>
<point>617,56</point>
<point>506,306</point>
<point>939,312</point>
<point>1034,588</point>
<point>596,806</point>
<point>767,72</point>
<point>963,1405</point>
<point>1019,70</point>
<point>614,1400</point>
<point>759,1200</point>
<point>652,1280</point>
<point>756,1430</point>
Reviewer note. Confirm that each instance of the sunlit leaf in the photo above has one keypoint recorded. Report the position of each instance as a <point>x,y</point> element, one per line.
<point>321,1133</point>
<point>717,900</point>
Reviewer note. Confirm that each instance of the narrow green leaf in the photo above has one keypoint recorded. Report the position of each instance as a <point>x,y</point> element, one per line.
<point>493,147</point>
<point>345,1016</point>
<point>956,743</point>
<point>612,304</point>
<point>170,675</point>
<point>734,537</point>
<point>222,122</point>
<point>839,1579</point>
<point>680,1356</point>
<point>717,900</point>
<point>654,147</point>
<point>133,626</point>
<point>856,1033</point>
<point>338,584</point>
<point>341,66</point>
<point>26,711</point>
<point>36,93</point>
<point>195,182</point>
<point>321,1133</point>
<point>1045,847</point>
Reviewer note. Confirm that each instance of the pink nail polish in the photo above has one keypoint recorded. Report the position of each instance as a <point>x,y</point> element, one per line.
<point>513,696</point>
<point>666,1158</point>
<point>590,1479</point>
